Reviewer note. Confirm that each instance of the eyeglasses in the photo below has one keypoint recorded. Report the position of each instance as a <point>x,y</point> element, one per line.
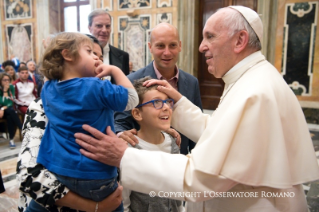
<point>158,103</point>
<point>6,80</point>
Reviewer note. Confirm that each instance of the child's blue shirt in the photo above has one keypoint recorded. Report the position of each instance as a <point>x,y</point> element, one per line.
<point>68,105</point>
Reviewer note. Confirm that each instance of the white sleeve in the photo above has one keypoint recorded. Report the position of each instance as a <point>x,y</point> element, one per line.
<point>132,99</point>
<point>126,199</point>
<point>173,173</point>
<point>195,117</point>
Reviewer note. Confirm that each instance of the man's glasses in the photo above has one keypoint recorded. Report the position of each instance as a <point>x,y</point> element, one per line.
<point>158,103</point>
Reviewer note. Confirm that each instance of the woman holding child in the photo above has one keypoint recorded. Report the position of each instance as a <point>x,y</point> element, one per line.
<point>33,175</point>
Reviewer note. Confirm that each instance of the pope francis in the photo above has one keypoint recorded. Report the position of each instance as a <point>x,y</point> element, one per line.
<point>252,154</point>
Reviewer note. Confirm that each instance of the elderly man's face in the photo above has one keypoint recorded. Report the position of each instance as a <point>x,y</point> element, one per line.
<point>31,66</point>
<point>217,46</point>
<point>101,28</point>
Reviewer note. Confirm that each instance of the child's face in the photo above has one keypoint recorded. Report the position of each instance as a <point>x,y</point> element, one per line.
<point>159,119</point>
<point>88,61</point>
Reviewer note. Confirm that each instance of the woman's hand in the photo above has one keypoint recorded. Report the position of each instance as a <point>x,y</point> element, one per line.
<point>1,114</point>
<point>111,202</point>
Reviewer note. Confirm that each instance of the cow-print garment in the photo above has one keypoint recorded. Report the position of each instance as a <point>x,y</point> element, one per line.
<point>35,181</point>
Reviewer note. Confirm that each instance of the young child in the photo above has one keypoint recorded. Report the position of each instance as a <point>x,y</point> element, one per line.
<point>153,114</point>
<point>73,96</point>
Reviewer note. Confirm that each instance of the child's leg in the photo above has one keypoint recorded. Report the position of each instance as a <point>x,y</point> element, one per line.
<point>96,190</point>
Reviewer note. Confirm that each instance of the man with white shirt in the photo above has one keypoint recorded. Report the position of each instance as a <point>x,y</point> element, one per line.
<point>25,90</point>
<point>34,76</point>
<point>100,27</point>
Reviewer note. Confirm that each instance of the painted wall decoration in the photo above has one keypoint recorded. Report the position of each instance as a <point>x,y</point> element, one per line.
<point>17,9</point>
<point>298,46</point>
<point>164,3</point>
<point>107,5</point>
<point>19,40</point>
<point>164,18</point>
<point>134,4</point>
<point>134,38</point>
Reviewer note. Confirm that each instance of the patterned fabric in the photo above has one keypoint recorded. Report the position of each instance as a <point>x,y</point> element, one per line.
<point>36,182</point>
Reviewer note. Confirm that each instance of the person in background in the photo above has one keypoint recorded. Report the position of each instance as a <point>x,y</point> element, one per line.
<point>6,63</point>
<point>100,27</point>
<point>165,46</point>
<point>131,67</point>
<point>22,64</point>
<point>7,111</point>
<point>252,154</point>
<point>36,78</point>
<point>10,70</point>
<point>25,90</point>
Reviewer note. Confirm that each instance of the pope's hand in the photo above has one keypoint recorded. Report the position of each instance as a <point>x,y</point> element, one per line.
<point>165,87</point>
<point>105,148</point>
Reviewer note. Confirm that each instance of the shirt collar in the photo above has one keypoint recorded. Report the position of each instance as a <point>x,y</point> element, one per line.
<point>160,76</point>
<point>106,48</point>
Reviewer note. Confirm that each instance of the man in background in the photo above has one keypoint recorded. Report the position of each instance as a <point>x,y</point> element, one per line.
<point>34,76</point>
<point>165,47</point>
<point>25,90</point>
<point>100,27</point>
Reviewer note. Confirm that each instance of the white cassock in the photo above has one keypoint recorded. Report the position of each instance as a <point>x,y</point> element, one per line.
<point>256,146</point>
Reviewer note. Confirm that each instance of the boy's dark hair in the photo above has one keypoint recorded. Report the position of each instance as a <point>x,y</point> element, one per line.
<point>22,68</point>
<point>140,89</point>
<point>23,63</point>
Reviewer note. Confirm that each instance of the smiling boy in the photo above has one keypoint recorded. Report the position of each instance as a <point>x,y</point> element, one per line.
<point>153,114</point>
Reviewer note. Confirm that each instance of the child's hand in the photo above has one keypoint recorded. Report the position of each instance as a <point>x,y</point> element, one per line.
<point>103,70</point>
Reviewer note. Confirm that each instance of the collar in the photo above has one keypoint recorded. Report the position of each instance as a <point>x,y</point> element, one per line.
<point>106,48</point>
<point>160,76</point>
<point>233,74</point>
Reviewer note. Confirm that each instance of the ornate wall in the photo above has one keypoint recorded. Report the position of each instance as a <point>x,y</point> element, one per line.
<point>297,52</point>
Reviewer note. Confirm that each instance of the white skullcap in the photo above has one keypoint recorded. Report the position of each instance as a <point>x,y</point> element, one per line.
<point>252,18</point>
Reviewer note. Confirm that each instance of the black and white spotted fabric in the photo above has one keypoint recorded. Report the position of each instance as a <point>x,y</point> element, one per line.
<point>35,181</point>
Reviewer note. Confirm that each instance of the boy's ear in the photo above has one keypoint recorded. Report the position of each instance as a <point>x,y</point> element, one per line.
<point>136,114</point>
<point>65,54</point>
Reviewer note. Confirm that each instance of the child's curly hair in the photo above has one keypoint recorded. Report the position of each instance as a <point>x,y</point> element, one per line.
<point>141,90</point>
<point>53,61</point>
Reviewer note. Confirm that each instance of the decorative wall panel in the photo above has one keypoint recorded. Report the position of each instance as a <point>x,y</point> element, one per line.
<point>164,18</point>
<point>108,5</point>
<point>19,39</point>
<point>298,47</point>
<point>164,3</point>
<point>133,37</point>
<point>19,9</point>
<point>134,4</point>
